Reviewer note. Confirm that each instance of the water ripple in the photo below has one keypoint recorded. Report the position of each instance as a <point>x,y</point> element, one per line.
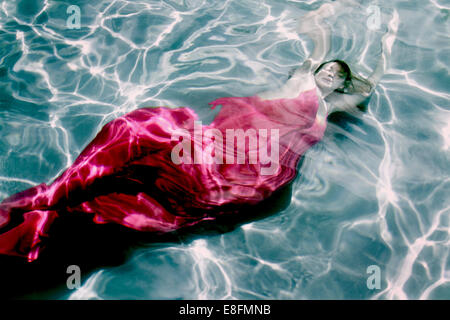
<point>374,192</point>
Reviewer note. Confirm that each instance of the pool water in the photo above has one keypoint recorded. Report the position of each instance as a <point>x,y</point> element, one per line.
<point>372,195</point>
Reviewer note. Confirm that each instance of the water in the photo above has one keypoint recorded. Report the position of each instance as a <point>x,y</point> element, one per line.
<point>373,192</point>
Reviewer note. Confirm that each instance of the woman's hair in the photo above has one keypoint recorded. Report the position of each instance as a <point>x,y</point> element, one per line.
<point>353,84</point>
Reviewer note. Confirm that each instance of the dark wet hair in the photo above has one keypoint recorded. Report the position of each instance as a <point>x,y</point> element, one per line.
<point>345,69</point>
<point>353,84</point>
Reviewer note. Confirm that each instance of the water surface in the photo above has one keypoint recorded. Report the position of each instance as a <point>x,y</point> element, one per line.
<point>373,192</point>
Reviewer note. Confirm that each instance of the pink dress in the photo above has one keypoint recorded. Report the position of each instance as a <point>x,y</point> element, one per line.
<point>127,174</point>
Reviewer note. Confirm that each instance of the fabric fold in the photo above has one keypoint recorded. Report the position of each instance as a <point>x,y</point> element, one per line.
<point>127,174</point>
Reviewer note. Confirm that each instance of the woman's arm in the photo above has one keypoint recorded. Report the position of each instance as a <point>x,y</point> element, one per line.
<point>312,25</point>
<point>348,101</point>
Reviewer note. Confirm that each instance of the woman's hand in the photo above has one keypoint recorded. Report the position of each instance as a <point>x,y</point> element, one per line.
<point>335,7</point>
<point>309,22</point>
<point>349,3</point>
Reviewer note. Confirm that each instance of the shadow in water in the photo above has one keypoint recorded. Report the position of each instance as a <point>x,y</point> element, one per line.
<point>75,240</point>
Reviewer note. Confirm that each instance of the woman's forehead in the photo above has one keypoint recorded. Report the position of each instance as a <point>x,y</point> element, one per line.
<point>335,66</point>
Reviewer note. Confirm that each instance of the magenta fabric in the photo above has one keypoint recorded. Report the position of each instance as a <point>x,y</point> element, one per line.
<point>174,195</point>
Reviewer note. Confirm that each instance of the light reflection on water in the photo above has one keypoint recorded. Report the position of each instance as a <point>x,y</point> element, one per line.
<point>373,192</point>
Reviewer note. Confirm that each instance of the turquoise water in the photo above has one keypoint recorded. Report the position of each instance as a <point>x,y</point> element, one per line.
<point>374,192</point>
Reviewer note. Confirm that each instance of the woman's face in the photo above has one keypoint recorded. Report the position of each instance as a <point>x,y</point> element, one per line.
<point>330,77</point>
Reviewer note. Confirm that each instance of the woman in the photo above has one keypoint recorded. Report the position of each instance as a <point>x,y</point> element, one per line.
<point>128,174</point>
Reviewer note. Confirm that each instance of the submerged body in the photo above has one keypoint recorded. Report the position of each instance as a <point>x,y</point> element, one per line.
<point>135,151</point>
<point>127,175</point>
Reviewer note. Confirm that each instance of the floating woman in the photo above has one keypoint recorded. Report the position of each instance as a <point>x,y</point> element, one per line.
<point>137,174</point>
